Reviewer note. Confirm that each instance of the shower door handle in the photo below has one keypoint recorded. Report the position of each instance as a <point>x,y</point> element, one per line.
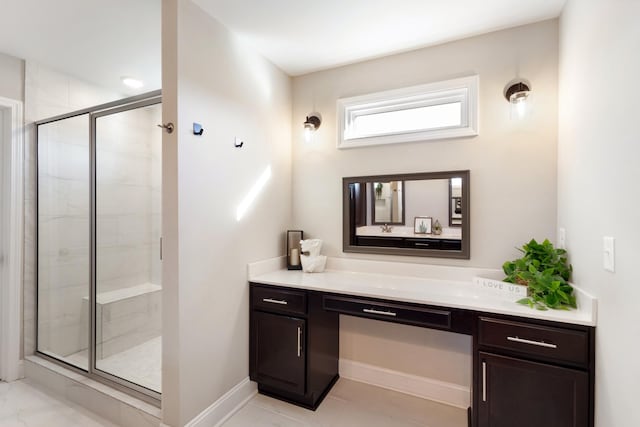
<point>168,127</point>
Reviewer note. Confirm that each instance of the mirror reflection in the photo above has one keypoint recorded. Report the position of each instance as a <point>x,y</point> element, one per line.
<point>455,203</point>
<point>387,202</point>
<point>417,214</point>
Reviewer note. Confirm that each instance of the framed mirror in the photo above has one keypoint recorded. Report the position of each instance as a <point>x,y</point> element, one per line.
<point>418,214</point>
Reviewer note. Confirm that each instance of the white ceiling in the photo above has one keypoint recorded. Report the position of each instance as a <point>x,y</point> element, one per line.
<point>301,36</point>
<point>102,40</point>
<point>96,40</point>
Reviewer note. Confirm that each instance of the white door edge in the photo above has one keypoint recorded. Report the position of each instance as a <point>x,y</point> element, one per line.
<point>11,366</point>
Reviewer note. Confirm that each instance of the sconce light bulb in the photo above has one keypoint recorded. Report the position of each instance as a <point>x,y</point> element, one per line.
<point>311,124</point>
<point>521,107</point>
<point>517,93</point>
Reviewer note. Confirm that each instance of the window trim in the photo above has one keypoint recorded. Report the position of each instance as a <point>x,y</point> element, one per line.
<point>463,90</point>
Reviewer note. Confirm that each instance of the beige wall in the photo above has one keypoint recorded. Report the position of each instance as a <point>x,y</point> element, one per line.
<point>232,92</point>
<point>512,163</point>
<point>11,77</point>
<point>427,198</point>
<point>598,153</point>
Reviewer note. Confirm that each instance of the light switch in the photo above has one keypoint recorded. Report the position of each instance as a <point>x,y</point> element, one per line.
<point>609,263</point>
<point>562,238</point>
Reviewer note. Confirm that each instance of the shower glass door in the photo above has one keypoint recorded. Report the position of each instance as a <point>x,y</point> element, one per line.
<point>127,225</point>
<point>63,240</point>
<point>98,230</point>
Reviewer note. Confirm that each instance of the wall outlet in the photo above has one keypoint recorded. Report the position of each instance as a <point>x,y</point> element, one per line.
<point>562,238</point>
<point>609,255</point>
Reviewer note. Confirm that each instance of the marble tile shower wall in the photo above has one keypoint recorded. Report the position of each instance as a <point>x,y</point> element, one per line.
<point>125,202</point>
<point>47,94</point>
<point>128,204</point>
<point>63,227</point>
<point>128,231</point>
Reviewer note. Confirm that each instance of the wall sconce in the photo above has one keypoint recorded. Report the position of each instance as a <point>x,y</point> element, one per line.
<point>311,124</point>
<point>517,92</point>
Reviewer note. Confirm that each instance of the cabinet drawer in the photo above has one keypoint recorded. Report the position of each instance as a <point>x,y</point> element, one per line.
<point>549,342</point>
<point>392,242</point>
<point>423,243</point>
<point>279,300</point>
<point>389,311</point>
<point>452,245</point>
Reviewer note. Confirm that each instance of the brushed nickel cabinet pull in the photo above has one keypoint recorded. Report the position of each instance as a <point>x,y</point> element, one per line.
<point>384,313</point>
<point>530,342</point>
<point>484,381</point>
<point>275,301</point>
<point>299,341</point>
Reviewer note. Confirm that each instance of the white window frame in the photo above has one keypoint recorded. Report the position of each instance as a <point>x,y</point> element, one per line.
<point>463,90</point>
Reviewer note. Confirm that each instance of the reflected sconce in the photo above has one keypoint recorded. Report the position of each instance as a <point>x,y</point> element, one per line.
<point>516,92</point>
<point>311,124</point>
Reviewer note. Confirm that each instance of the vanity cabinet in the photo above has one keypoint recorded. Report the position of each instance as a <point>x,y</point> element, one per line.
<point>518,392</point>
<point>531,374</point>
<point>293,345</point>
<point>279,351</point>
<point>527,372</point>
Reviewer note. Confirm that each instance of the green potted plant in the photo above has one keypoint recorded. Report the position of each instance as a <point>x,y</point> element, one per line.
<point>379,190</point>
<point>546,272</point>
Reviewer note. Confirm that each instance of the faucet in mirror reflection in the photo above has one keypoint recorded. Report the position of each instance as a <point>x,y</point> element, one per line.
<point>312,261</point>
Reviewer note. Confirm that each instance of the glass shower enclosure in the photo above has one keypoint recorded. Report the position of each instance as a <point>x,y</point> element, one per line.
<point>98,242</point>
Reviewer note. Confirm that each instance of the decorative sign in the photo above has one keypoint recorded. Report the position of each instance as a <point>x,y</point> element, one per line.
<point>504,289</point>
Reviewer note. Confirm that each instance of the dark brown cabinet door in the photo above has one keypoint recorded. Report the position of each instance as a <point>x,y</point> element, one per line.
<point>279,348</point>
<point>514,392</point>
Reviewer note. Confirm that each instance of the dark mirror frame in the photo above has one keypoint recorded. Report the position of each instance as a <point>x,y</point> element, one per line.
<point>373,208</point>
<point>348,231</point>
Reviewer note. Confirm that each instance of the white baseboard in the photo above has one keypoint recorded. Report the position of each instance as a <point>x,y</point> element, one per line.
<point>222,409</point>
<point>426,388</point>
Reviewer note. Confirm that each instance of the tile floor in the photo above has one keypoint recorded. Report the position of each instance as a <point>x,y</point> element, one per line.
<point>351,404</point>
<point>24,405</point>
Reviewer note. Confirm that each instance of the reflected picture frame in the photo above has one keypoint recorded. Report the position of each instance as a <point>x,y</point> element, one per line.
<point>422,224</point>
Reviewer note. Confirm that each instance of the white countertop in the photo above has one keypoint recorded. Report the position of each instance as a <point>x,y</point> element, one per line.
<point>399,231</point>
<point>441,291</point>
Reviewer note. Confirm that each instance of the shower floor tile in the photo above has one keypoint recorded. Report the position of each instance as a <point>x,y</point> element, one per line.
<point>141,364</point>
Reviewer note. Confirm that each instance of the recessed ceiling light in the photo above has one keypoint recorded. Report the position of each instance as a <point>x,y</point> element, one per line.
<point>131,82</point>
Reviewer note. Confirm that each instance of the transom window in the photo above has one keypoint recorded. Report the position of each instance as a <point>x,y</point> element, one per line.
<point>432,111</point>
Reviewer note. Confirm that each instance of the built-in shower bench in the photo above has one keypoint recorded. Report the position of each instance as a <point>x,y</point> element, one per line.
<point>126,317</point>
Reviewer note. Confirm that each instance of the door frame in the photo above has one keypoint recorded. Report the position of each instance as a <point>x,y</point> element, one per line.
<point>11,363</point>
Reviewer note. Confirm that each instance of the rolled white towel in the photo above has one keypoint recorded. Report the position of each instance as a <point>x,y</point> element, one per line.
<point>313,264</point>
<point>312,261</point>
<point>311,247</point>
